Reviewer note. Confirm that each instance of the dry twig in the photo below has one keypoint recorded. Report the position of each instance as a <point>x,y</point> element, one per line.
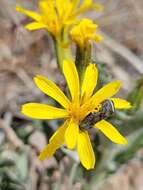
<point>9,132</point>
<point>124,52</point>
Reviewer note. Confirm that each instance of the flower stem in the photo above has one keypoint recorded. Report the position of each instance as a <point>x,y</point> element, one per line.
<point>83,58</point>
<point>61,52</point>
<point>72,174</point>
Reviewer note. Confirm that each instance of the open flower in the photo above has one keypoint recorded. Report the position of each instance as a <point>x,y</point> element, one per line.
<point>75,109</point>
<point>54,15</point>
<point>85,31</point>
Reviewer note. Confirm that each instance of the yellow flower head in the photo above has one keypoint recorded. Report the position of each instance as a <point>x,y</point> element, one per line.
<point>55,15</point>
<point>85,31</point>
<point>74,111</point>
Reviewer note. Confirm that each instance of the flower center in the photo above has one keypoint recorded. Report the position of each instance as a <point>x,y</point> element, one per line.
<point>75,112</point>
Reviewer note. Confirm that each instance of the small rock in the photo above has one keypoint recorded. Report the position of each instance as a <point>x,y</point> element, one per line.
<point>38,140</point>
<point>50,163</point>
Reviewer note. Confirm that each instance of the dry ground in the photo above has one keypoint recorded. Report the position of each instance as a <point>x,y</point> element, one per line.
<point>24,54</point>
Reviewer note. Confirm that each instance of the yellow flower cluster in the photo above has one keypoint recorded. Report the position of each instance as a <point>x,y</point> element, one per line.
<point>85,31</point>
<point>74,110</point>
<point>56,15</point>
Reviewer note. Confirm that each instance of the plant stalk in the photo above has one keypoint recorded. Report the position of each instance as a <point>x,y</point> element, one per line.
<point>83,58</point>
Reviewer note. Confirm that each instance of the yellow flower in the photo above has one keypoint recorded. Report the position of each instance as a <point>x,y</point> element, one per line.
<point>85,31</point>
<point>75,109</point>
<point>55,15</point>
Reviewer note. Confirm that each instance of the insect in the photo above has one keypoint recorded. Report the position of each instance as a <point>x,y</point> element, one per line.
<point>106,110</point>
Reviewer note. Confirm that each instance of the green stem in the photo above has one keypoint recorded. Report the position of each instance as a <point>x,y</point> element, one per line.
<point>61,52</point>
<point>136,96</point>
<point>72,174</point>
<point>83,58</point>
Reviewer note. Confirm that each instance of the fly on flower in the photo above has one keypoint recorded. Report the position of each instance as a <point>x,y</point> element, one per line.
<point>74,110</point>
<point>105,110</point>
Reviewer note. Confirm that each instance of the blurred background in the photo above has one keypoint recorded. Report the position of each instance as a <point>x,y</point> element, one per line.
<point>24,54</point>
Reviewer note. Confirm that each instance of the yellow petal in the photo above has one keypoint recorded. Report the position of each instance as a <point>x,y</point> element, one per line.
<point>97,6</point>
<point>98,38</point>
<point>85,150</point>
<point>31,14</point>
<point>54,143</point>
<point>43,111</point>
<point>75,4</point>
<point>85,6</point>
<point>121,104</point>
<point>83,32</point>
<point>105,92</point>
<point>52,90</point>
<point>89,81</point>
<point>88,5</point>
<point>35,26</point>
<point>111,132</point>
<point>71,135</point>
<point>47,9</point>
<point>44,6</point>
<point>71,75</point>
<point>63,8</point>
